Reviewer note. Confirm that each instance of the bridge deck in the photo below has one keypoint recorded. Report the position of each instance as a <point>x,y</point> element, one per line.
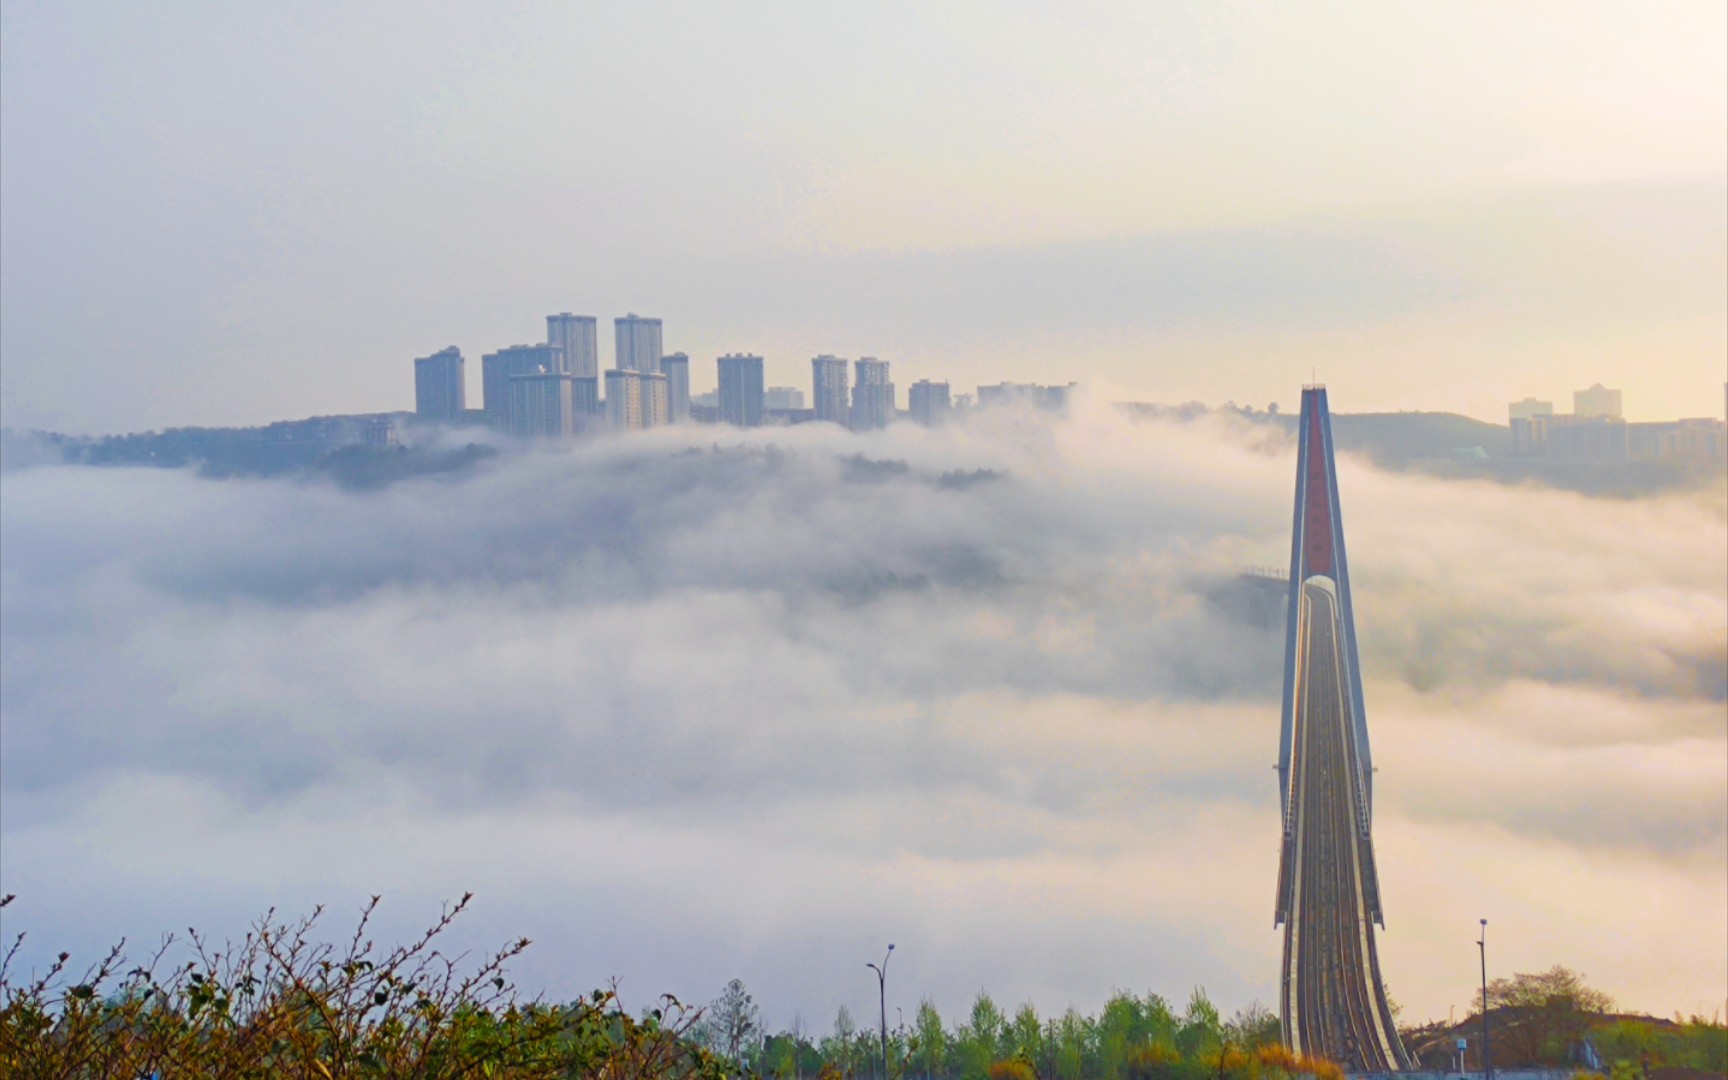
<point>1334,1002</point>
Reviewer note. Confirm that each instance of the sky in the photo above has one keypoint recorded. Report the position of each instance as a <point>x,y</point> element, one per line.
<point>688,707</point>
<point>231,215</point>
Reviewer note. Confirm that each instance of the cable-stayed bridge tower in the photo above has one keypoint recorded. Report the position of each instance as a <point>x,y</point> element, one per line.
<point>1332,1001</point>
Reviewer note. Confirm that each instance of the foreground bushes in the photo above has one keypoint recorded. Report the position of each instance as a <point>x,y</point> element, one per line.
<point>282,1004</point>
<point>1271,1061</point>
<point>1633,1045</point>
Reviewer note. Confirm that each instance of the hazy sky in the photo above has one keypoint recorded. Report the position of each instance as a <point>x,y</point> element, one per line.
<point>683,711</point>
<point>236,213</point>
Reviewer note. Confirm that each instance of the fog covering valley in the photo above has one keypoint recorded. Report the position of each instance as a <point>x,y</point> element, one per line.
<point>705,703</point>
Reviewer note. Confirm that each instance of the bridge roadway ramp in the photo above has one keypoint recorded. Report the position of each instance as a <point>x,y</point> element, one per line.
<point>1333,1001</point>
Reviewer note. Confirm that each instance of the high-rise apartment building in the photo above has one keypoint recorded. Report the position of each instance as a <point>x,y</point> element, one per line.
<point>585,399</point>
<point>655,410</point>
<point>1597,401</point>
<point>1571,438</point>
<point>832,394</point>
<point>439,390</point>
<point>1529,407</point>
<point>676,368</point>
<point>496,370</point>
<point>541,406</point>
<point>577,340</point>
<point>1695,439</point>
<point>1584,438</point>
<point>638,343</point>
<point>928,402</point>
<point>784,398</point>
<point>872,395</point>
<point>624,399</point>
<point>1528,422</point>
<point>741,390</point>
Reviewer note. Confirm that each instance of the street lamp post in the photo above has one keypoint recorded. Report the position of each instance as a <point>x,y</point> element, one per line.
<point>1487,1053</point>
<point>882,998</point>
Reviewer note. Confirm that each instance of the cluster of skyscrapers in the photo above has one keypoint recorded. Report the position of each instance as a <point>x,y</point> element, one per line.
<point>1596,430</point>
<point>556,389</point>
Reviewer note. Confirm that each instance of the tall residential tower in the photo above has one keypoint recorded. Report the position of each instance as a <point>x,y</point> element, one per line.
<point>872,395</point>
<point>676,368</point>
<point>929,402</point>
<point>496,370</point>
<point>439,393</point>
<point>831,398</point>
<point>637,340</point>
<point>541,406</point>
<point>623,403</point>
<point>576,339</point>
<point>741,390</point>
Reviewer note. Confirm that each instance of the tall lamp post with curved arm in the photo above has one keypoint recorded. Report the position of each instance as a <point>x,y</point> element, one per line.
<point>882,998</point>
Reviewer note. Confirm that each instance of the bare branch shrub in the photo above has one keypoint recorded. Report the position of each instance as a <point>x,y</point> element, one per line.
<point>283,1003</point>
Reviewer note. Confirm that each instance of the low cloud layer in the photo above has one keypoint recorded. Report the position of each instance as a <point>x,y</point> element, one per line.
<point>698,705</point>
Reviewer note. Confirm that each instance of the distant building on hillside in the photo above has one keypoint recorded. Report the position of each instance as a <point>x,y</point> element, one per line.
<point>872,394</point>
<point>1597,401</point>
<point>496,370</point>
<point>741,391</point>
<point>1597,430</point>
<point>637,341</point>
<point>1043,397</point>
<point>439,388</point>
<point>1607,438</point>
<point>577,341</point>
<point>1696,439</point>
<point>831,393</point>
<point>676,368</point>
<point>1570,438</point>
<point>783,397</point>
<point>1529,407</point>
<point>378,432</point>
<point>328,432</point>
<point>929,402</point>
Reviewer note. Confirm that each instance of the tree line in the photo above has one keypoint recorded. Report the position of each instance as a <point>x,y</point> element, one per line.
<point>285,1002</point>
<point>1130,1038</point>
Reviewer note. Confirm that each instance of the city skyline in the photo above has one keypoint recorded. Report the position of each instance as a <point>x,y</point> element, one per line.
<point>862,396</point>
<point>1521,198</point>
